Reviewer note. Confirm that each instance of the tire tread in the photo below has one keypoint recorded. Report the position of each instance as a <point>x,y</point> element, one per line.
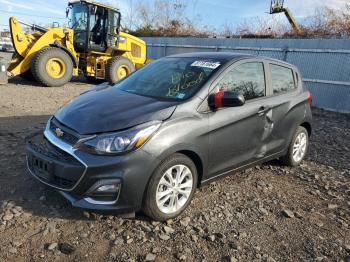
<point>287,159</point>
<point>111,66</point>
<point>37,70</point>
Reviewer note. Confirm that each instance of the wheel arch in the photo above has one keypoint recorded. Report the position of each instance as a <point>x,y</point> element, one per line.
<point>308,127</point>
<point>190,151</point>
<point>196,159</point>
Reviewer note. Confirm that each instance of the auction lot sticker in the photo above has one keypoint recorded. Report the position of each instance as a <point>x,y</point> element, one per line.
<point>212,65</point>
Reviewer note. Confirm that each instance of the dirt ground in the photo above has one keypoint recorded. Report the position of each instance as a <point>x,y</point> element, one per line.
<point>266,213</point>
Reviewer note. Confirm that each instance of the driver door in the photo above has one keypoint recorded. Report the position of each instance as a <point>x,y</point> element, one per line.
<point>98,29</point>
<point>236,132</point>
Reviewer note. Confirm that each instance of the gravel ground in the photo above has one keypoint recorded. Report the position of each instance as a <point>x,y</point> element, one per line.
<point>266,213</point>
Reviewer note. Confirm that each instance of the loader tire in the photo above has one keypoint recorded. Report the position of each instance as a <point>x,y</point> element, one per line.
<point>117,68</point>
<point>52,67</point>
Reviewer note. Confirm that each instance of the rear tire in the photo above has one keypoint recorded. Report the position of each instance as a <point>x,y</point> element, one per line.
<point>52,67</point>
<point>117,68</point>
<point>176,175</point>
<point>297,149</point>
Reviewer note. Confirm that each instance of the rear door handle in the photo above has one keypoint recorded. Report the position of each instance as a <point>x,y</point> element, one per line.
<point>263,110</point>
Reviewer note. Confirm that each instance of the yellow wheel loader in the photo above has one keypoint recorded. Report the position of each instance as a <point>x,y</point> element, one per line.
<point>92,45</point>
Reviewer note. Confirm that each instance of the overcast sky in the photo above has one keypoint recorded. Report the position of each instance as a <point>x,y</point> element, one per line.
<point>213,13</point>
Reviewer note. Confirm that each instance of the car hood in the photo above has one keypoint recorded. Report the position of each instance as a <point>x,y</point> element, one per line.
<point>106,109</point>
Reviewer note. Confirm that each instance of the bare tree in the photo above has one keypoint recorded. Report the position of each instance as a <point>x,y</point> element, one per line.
<point>261,27</point>
<point>167,18</point>
<point>175,18</point>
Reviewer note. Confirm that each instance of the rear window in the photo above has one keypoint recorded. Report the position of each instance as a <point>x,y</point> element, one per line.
<point>282,79</point>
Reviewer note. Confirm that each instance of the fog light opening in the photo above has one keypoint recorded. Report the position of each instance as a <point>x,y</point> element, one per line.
<point>104,192</point>
<point>110,188</point>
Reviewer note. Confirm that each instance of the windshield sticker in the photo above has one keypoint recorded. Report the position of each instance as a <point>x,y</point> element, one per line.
<point>180,95</point>
<point>211,65</point>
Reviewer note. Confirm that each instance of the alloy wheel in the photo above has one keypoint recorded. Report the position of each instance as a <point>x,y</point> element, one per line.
<point>299,147</point>
<point>174,189</point>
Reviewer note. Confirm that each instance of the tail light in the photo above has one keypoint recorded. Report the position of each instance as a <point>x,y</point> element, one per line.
<point>309,97</point>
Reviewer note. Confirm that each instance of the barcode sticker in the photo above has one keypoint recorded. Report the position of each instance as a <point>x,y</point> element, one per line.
<point>212,65</point>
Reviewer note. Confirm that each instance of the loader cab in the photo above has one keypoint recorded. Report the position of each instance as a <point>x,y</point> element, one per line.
<point>96,27</point>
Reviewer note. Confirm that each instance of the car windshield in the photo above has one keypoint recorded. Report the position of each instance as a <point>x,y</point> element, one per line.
<point>171,78</point>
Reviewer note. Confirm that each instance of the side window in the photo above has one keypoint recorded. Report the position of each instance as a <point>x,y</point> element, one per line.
<point>247,79</point>
<point>113,22</point>
<point>282,79</point>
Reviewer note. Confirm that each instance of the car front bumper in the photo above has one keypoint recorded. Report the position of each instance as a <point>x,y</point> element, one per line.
<point>75,173</point>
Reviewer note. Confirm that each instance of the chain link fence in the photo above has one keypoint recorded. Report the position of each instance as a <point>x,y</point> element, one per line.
<point>324,63</point>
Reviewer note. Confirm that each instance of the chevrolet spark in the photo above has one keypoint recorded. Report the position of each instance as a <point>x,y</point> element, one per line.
<point>147,142</point>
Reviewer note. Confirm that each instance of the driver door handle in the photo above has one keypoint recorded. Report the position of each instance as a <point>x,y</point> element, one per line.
<point>263,110</point>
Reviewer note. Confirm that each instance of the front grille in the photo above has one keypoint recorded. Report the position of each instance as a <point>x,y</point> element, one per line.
<point>135,50</point>
<point>41,145</point>
<point>67,136</point>
<point>43,170</point>
<point>52,165</point>
<point>62,183</point>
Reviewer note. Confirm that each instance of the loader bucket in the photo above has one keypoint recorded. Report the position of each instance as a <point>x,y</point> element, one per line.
<point>3,71</point>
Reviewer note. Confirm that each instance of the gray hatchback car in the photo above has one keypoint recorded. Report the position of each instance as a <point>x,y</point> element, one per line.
<point>147,142</point>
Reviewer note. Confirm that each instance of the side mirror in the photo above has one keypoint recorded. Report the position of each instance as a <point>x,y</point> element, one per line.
<point>226,99</point>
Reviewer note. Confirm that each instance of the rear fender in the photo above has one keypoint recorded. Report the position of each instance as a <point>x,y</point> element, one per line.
<point>134,48</point>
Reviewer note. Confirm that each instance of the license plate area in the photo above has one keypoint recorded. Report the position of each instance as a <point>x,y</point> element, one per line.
<point>41,168</point>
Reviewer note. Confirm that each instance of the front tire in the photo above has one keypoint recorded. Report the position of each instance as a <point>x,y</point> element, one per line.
<point>171,188</point>
<point>117,68</point>
<point>52,67</point>
<point>297,149</point>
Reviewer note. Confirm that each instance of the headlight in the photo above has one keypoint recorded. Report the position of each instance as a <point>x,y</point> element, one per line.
<point>120,142</point>
<point>122,40</point>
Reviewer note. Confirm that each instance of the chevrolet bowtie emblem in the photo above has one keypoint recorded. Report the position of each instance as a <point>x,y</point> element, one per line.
<point>59,132</point>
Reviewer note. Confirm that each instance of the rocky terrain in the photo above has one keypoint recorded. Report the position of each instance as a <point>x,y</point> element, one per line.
<point>266,213</point>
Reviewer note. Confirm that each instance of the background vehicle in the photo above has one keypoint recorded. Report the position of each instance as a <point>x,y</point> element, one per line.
<point>92,45</point>
<point>180,122</point>
<point>7,48</point>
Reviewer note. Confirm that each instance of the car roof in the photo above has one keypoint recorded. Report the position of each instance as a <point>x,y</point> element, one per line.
<point>229,56</point>
<point>214,55</point>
